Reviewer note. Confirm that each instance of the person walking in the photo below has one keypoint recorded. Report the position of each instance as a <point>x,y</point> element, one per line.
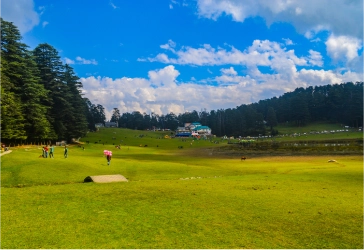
<point>108,157</point>
<point>51,150</point>
<point>46,151</point>
<point>65,152</point>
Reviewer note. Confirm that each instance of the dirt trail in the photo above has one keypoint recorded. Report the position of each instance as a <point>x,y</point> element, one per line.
<point>6,152</point>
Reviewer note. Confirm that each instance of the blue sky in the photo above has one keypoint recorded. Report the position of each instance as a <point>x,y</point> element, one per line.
<point>177,55</point>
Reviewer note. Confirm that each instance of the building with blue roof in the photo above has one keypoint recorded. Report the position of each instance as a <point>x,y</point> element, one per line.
<point>193,129</point>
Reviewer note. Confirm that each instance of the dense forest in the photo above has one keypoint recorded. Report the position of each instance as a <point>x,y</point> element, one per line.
<point>338,103</point>
<point>41,99</point>
<point>40,96</point>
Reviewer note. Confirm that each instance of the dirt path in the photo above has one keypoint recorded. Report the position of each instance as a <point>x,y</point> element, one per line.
<point>6,152</point>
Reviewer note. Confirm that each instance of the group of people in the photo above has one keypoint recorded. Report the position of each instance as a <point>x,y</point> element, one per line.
<point>50,150</point>
<point>4,148</point>
<point>45,150</point>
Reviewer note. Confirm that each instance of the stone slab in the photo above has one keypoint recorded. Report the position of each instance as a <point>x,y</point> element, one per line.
<point>106,178</point>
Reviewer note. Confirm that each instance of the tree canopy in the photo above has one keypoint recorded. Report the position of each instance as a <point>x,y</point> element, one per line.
<point>40,96</point>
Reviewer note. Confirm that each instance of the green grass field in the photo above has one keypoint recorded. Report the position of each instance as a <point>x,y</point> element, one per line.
<point>178,198</point>
<point>309,132</point>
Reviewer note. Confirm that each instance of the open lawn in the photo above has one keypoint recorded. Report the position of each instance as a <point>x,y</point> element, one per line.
<point>178,198</point>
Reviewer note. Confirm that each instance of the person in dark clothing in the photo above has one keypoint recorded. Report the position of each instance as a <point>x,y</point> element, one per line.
<point>65,152</point>
<point>108,157</point>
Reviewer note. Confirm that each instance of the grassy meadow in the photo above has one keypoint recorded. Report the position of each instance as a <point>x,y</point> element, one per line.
<point>314,131</point>
<point>178,198</point>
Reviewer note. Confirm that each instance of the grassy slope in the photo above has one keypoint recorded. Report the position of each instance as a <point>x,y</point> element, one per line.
<point>318,126</point>
<point>174,200</point>
<point>288,129</point>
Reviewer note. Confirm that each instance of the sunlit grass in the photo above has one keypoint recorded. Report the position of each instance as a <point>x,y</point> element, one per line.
<point>179,200</point>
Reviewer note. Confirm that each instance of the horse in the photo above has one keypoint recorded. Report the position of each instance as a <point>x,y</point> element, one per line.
<point>243,158</point>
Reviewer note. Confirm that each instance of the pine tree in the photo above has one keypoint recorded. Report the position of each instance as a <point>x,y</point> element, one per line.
<point>299,110</point>
<point>89,114</point>
<point>271,118</point>
<point>115,115</point>
<point>52,77</point>
<point>99,113</point>
<point>12,120</point>
<point>20,72</point>
<point>75,120</point>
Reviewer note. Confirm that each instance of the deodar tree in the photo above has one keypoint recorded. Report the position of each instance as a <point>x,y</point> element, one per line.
<point>41,98</point>
<point>23,112</point>
<point>12,119</point>
<point>68,112</point>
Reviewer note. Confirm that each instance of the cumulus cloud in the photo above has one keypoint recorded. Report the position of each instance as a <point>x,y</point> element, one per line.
<point>343,48</point>
<point>169,46</point>
<point>164,77</point>
<point>229,71</point>
<point>309,17</point>
<point>21,13</point>
<point>160,93</point>
<point>260,53</point>
<point>315,58</point>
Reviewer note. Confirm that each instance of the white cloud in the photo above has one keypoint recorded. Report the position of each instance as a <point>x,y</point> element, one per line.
<point>315,58</point>
<point>260,53</point>
<point>69,61</point>
<point>80,60</point>
<point>312,33</point>
<point>229,71</point>
<point>41,9</point>
<point>160,93</point>
<point>340,17</point>
<point>169,46</point>
<point>113,5</point>
<point>173,3</point>
<point>85,61</point>
<point>21,13</point>
<point>288,41</point>
<point>164,77</point>
<point>45,23</point>
<point>343,48</point>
